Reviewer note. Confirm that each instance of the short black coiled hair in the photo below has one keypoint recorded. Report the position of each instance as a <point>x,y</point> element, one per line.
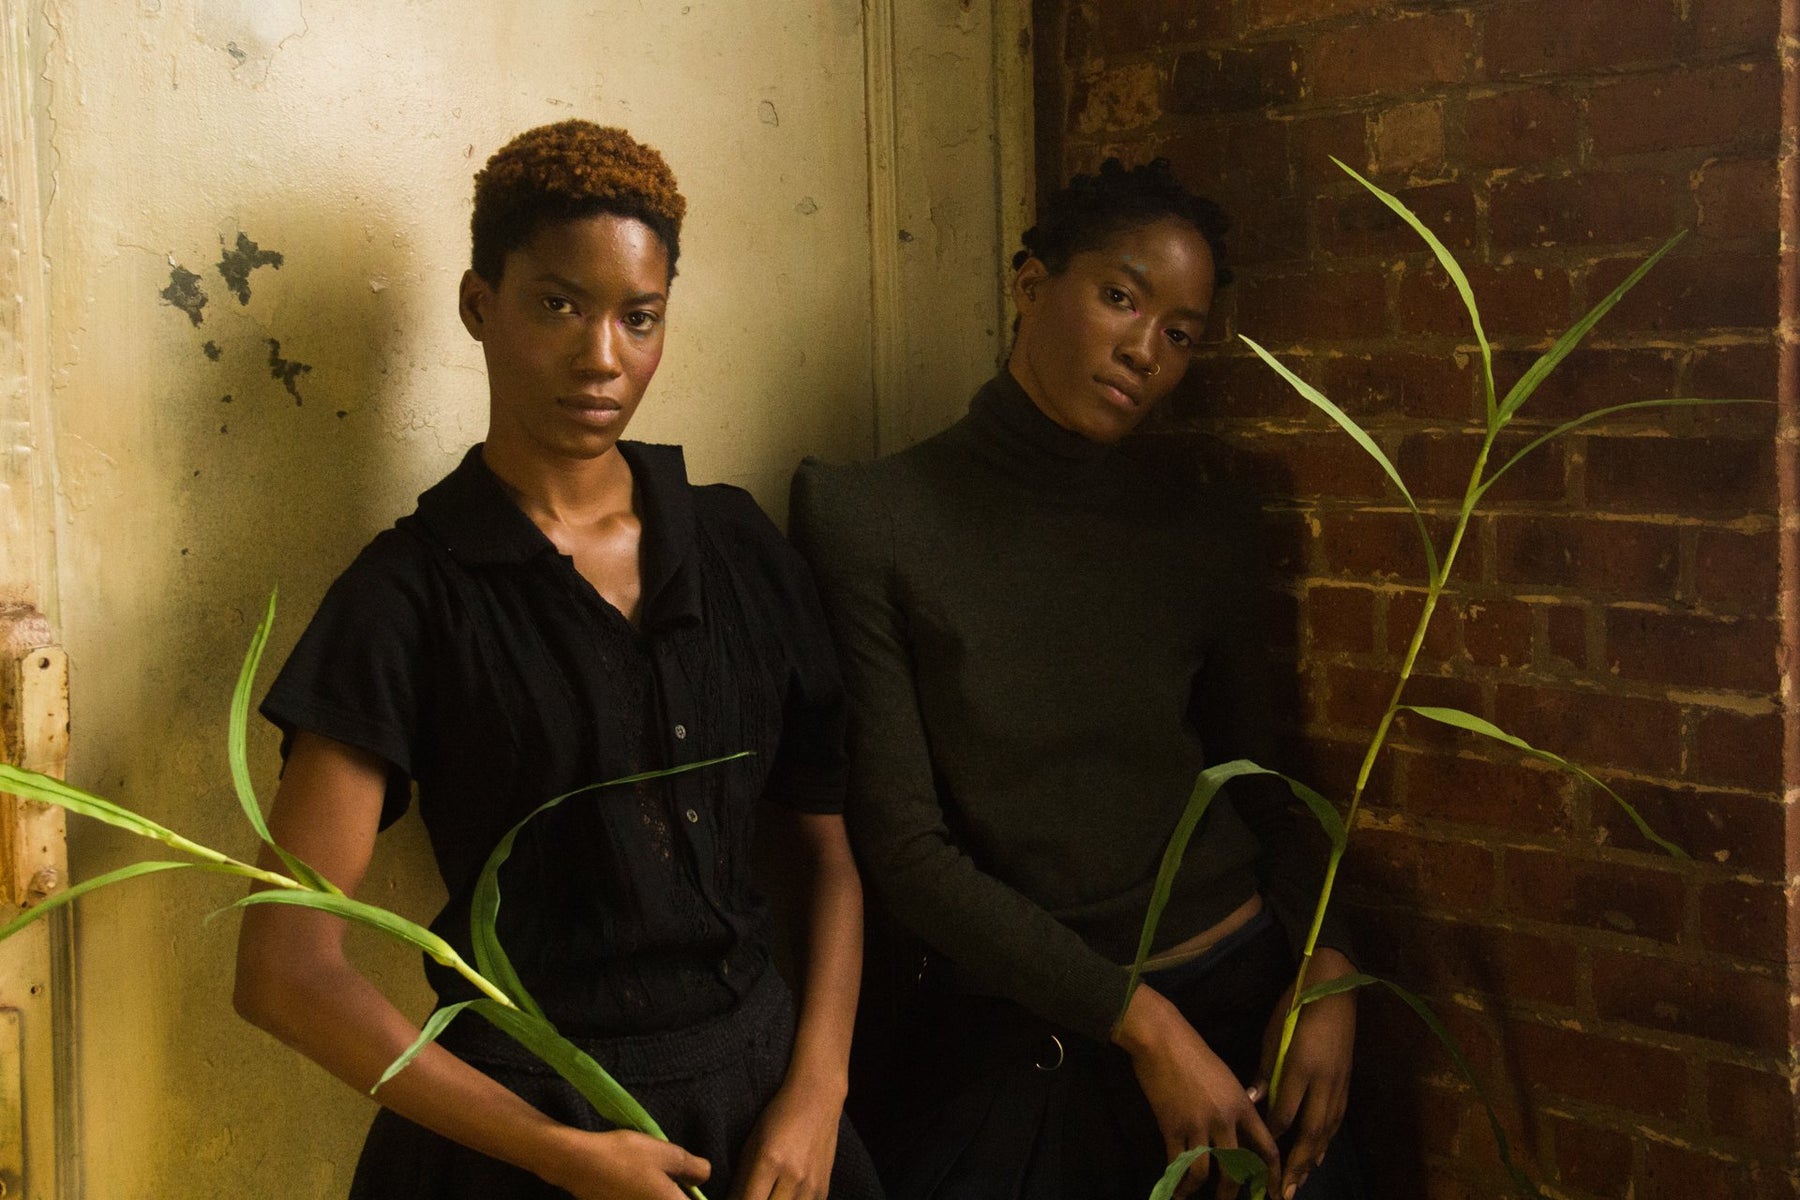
<point>565,172</point>
<point>1083,215</point>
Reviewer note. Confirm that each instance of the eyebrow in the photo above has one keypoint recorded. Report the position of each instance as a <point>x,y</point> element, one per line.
<point>569,285</point>
<point>1143,281</point>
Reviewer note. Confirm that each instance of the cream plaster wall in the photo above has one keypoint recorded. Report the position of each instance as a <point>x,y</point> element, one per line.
<point>187,479</point>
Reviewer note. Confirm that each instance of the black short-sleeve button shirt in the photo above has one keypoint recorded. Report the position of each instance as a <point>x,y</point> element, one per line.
<point>469,654</point>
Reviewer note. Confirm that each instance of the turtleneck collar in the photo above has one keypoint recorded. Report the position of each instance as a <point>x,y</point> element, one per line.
<point>1014,435</point>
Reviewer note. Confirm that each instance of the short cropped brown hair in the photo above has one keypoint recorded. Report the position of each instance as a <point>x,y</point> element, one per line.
<point>565,172</point>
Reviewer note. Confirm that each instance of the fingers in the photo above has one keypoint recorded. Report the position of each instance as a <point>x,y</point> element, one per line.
<point>689,1168</point>
<point>1319,1120</point>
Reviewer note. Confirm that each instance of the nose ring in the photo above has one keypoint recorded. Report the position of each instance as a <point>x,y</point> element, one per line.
<point>1155,369</point>
<point>1055,1044</point>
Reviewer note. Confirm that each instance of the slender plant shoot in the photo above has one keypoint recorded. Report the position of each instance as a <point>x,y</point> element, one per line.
<point>503,1002</point>
<point>1500,411</point>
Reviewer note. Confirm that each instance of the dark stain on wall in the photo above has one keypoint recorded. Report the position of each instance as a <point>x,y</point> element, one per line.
<point>184,293</point>
<point>288,372</point>
<point>238,261</point>
<point>212,351</point>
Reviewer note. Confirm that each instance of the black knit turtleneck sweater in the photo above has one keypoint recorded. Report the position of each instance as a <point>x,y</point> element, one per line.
<point>1045,642</point>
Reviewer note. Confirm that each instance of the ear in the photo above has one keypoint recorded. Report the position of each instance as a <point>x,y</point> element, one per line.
<point>1026,281</point>
<point>473,298</point>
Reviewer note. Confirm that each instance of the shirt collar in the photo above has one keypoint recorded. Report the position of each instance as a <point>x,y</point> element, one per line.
<point>471,514</point>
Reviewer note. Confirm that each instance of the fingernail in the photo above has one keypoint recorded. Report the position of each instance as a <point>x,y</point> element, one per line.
<point>1255,1093</point>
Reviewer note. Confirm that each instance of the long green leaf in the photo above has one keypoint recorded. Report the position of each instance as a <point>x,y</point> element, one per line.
<point>1528,382</point>
<point>32,785</point>
<point>1520,1180</point>
<point>484,908</point>
<point>1361,436</point>
<point>380,919</point>
<point>597,1087</point>
<point>1206,786</point>
<point>1243,1166</point>
<point>1474,724</point>
<point>1335,987</point>
<point>434,1026</point>
<point>69,895</point>
<point>237,742</point>
<point>1590,418</point>
<point>1451,268</point>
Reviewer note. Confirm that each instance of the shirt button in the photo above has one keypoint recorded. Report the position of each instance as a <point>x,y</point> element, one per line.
<point>693,817</point>
<point>680,732</point>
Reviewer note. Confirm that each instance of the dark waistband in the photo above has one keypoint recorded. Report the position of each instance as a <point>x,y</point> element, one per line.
<point>764,1012</point>
<point>1182,974</point>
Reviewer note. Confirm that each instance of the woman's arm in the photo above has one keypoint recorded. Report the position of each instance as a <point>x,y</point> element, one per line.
<point>791,1152</point>
<point>994,933</point>
<point>294,981</point>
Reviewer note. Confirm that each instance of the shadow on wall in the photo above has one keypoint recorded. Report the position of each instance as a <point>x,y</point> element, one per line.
<point>282,454</point>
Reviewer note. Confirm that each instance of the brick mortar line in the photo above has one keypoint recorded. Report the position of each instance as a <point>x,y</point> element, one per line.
<point>1588,938</point>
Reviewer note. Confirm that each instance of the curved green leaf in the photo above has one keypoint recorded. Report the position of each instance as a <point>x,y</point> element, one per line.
<point>597,1087</point>
<point>379,919</point>
<point>1590,418</point>
<point>484,908</point>
<point>1243,1166</point>
<point>1361,436</point>
<point>237,751</point>
<point>1335,987</point>
<point>1520,1180</point>
<point>69,895</point>
<point>1451,268</point>
<point>1474,724</point>
<point>33,785</point>
<point>434,1026</point>
<point>568,1060</point>
<point>1528,382</point>
<point>1206,786</point>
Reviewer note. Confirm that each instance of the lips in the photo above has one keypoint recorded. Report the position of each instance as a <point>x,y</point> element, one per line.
<point>592,410</point>
<point>1120,391</point>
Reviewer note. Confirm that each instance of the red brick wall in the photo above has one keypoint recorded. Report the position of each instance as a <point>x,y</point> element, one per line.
<point>1619,600</point>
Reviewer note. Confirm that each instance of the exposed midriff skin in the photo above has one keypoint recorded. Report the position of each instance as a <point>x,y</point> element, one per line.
<point>1207,938</point>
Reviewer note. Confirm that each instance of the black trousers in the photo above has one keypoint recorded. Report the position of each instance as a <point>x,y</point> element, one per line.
<point>706,1086</point>
<point>981,1100</point>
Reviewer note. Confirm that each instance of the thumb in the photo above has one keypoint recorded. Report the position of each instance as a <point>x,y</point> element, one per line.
<point>679,1164</point>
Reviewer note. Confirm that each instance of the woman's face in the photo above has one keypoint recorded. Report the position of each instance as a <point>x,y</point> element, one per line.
<point>572,333</point>
<point>1102,342</point>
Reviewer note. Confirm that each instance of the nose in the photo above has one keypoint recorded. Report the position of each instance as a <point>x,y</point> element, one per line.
<point>1137,350</point>
<point>598,349</point>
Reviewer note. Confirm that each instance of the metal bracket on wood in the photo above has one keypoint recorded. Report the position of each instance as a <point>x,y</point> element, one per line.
<point>34,734</point>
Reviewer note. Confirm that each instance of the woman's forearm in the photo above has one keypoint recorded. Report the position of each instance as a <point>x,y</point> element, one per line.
<point>320,1005</point>
<point>832,973</point>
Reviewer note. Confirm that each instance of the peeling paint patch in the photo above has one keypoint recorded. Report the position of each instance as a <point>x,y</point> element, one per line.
<point>238,261</point>
<point>288,372</point>
<point>766,112</point>
<point>184,293</point>
<point>212,351</point>
<point>807,206</point>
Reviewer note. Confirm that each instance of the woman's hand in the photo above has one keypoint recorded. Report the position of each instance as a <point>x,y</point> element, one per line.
<point>619,1165</point>
<point>1196,1098</point>
<point>1315,1082</point>
<point>790,1152</point>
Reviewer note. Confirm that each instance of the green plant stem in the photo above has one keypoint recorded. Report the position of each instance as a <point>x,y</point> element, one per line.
<point>1433,590</point>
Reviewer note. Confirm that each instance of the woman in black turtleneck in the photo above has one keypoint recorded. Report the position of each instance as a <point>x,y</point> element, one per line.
<point>1045,642</point>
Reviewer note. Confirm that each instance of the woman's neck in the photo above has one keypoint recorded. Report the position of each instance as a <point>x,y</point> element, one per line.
<point>562,493</point>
